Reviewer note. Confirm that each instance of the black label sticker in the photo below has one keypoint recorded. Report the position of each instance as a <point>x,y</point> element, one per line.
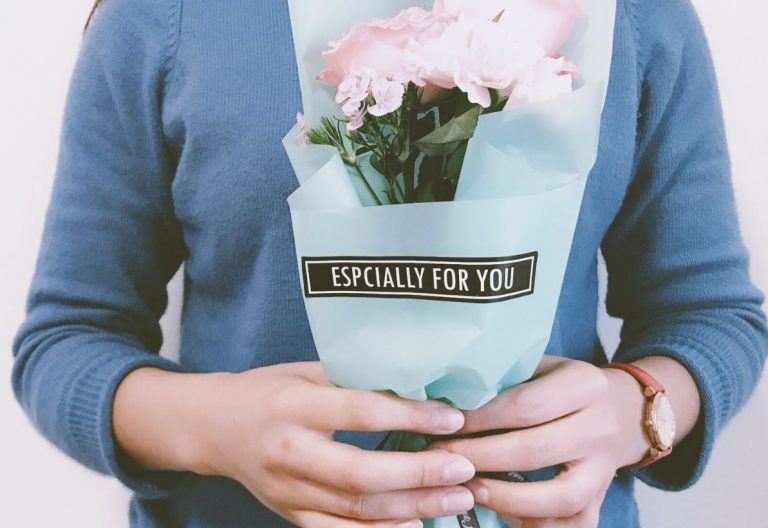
<point>474,280</point>
<point>468,520</point>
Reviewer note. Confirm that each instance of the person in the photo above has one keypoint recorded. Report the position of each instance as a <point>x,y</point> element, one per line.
<point>170,153</point>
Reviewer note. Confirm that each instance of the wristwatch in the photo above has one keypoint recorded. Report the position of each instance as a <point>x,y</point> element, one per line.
<point>659,418</point>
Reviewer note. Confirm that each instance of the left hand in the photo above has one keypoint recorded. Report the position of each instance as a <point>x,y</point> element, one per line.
<point>571,413</point>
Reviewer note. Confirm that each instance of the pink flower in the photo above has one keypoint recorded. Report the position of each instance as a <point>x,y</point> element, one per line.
<point>369,62</point>
<point>388,96</point>
<point>301,137</point>
<point>355,120</point>
<point>546,22</point>
<point>548,79</point>
<point>475,55</point>
<point>354,93</point>
<point>411,19</point>
<point>475,45</point>
<point>379,45</point>
<point>354,90</point>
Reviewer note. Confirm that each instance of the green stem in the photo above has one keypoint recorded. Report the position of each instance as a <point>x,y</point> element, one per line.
<point>410,180</point>
<point>392,194</point>
<point>397,187</point>
<point>409,163</point>
<point>382,141</point>
<point>367,184</point>
<point>441,181</point>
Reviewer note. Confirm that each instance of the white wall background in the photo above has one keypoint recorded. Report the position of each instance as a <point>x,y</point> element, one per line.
<point>39,487</point>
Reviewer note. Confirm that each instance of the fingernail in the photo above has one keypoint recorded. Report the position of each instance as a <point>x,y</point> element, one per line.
<point>412,524</point>
<point>459,471</point>
<point>448,421</point>
<point>458,501</point>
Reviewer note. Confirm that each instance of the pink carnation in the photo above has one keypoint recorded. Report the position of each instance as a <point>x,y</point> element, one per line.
<point>301,137</point>
<point>354,90</point>
<point>388,96</point>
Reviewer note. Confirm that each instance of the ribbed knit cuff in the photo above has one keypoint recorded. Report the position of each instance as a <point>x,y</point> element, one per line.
<point>716,381</point>
<point>88,416</point>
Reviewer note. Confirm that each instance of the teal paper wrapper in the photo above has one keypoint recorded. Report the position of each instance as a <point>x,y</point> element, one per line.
<point>520,193</point>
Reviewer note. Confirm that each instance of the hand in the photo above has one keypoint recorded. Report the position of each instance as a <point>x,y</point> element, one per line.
<point>573,414</point>
<point>271,429</point>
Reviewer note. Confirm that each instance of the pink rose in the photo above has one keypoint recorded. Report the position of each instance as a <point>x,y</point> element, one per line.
<point>370,61</point>
<point>547,22</point>
<point>380,45</point>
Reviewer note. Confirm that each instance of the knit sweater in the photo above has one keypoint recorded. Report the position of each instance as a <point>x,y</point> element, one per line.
<point>170,153</point>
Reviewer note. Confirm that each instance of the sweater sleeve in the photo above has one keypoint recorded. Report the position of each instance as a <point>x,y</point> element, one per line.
<point>678,270</point>
<point>110,244</point>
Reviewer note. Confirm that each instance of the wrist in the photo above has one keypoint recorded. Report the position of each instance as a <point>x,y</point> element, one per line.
<point>209,418</point>
<point>633,443</point>
<point>681,390</point>
<point>159,421</point>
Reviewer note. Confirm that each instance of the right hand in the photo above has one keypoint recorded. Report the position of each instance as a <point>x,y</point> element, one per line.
<point>271,429</point>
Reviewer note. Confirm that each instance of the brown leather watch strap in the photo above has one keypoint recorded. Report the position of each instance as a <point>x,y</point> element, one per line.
<point>653,456</point>
<point>645,379</point>
<point>651,387</point>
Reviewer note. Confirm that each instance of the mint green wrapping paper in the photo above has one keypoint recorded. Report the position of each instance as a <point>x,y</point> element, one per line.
<point>520,191</point>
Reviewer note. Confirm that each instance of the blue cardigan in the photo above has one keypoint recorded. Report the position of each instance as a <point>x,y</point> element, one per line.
<point>170,153</point>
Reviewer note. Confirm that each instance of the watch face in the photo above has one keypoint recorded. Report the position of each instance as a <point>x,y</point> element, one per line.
<point>663,421</point>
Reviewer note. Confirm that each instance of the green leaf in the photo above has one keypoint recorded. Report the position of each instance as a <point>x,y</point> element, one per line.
<point>455,163</point>
<point>429,172</point>
<point>447,138</point>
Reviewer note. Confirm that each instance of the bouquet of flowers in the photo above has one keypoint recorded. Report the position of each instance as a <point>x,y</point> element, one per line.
<point>442,158</point>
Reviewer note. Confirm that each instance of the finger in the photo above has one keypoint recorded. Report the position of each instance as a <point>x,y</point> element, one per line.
<point>565,440</point>
<point>565,496</point>
<point>559,388</point>
<point>348,468</point>
<point>309,519</point>
<point>420,504</point>
<point>335,409</point>
<point>409,504</point>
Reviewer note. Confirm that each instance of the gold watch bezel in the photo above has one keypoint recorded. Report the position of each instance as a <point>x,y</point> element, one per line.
<point>653,428</point>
